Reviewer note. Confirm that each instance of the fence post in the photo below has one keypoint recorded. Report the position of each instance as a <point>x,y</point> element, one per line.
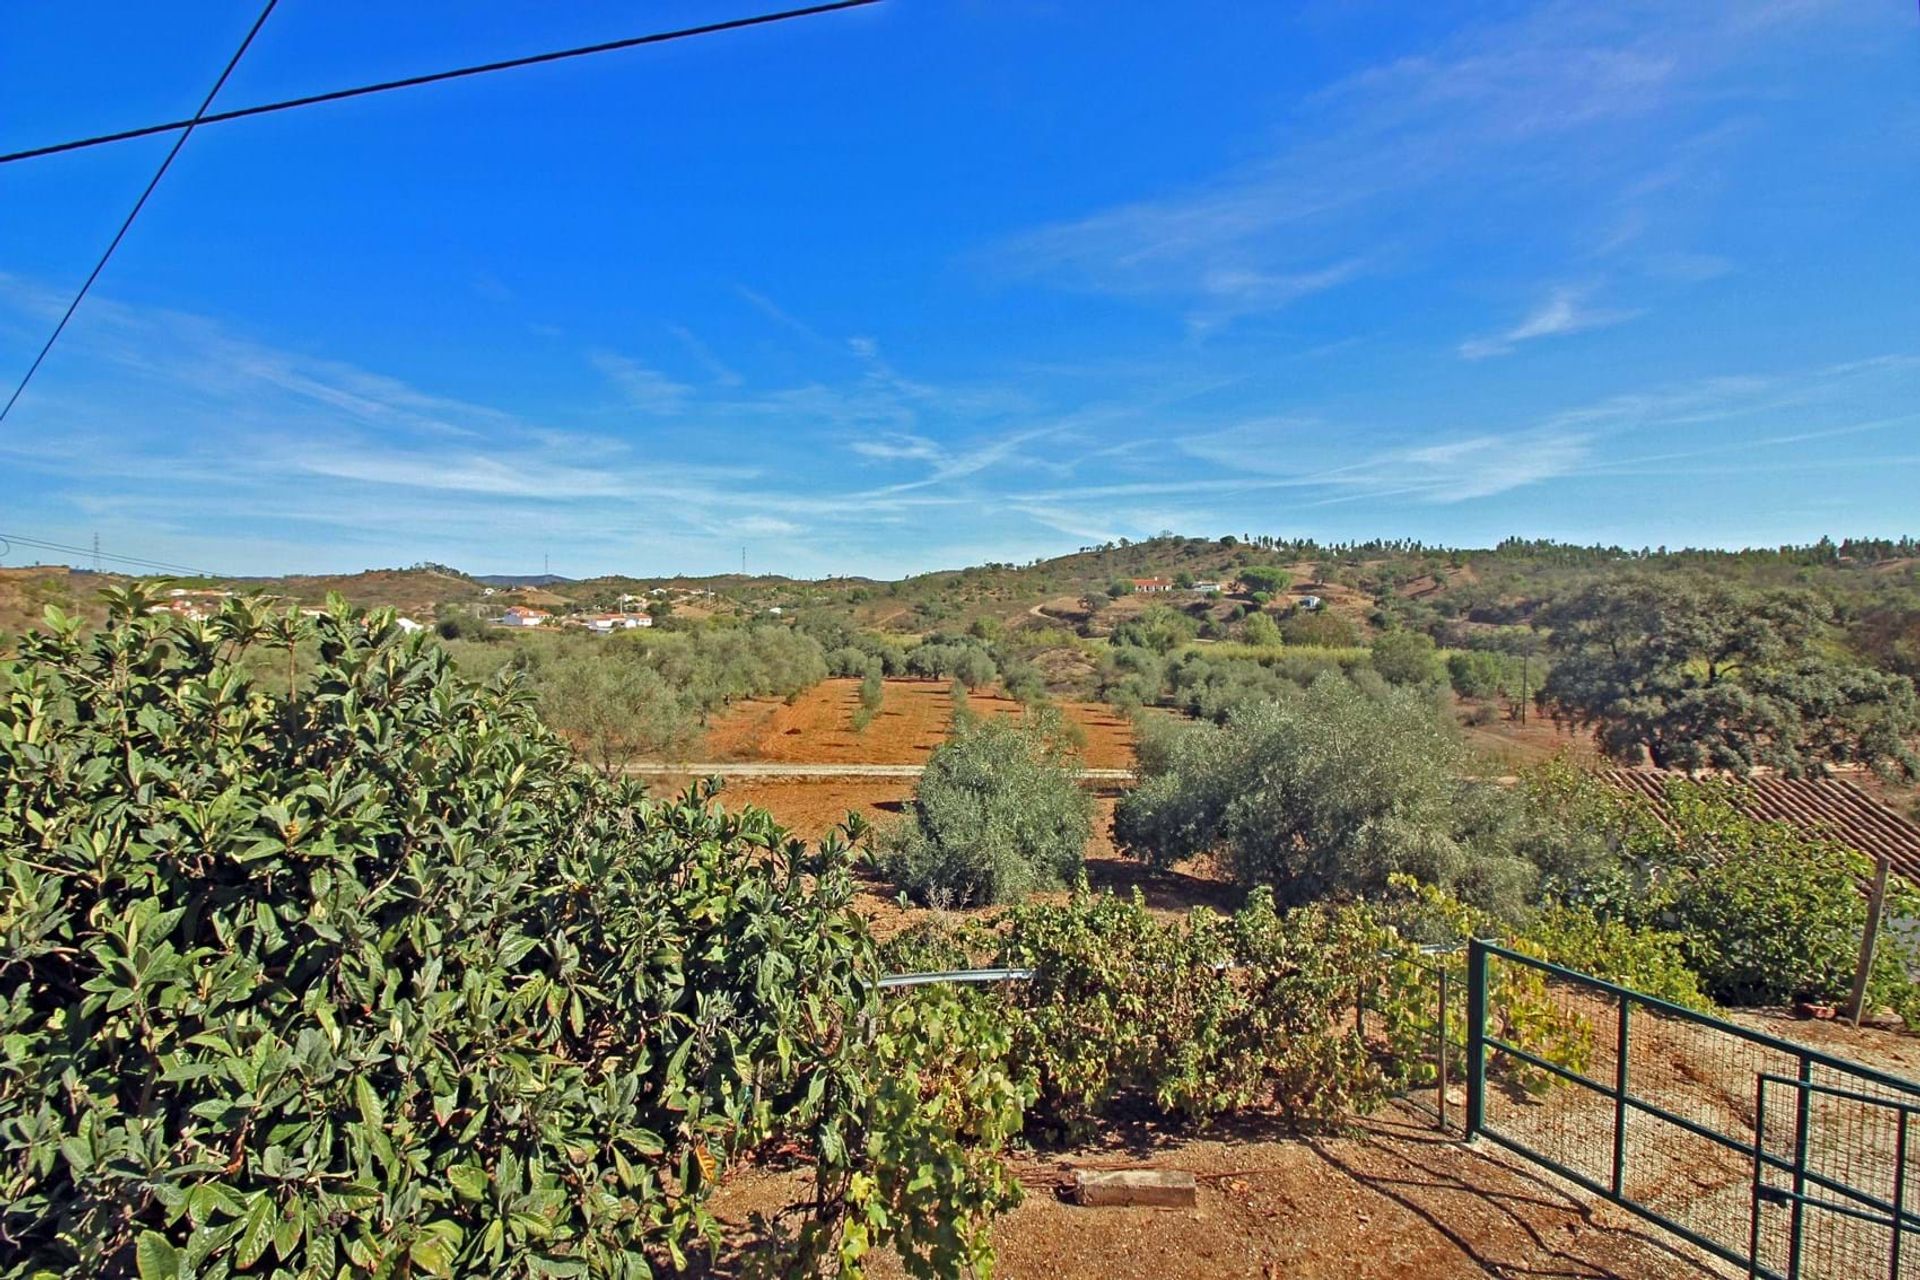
<point>1446,1048</point>
<point>1876,905</point>
<point>1796,1222</point>
<point>1620,1099</point>
<point>1476,1035</point>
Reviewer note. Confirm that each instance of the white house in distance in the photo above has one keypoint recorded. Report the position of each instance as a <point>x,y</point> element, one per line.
<point>1310,603</point>
<point>1152,586</point>
<point>1205,588</point>
<point>408,626</point>
<point>602,624</point>
<point>521,616</point>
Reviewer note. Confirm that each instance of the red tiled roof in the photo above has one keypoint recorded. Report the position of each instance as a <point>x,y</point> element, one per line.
<point>1831,807</point>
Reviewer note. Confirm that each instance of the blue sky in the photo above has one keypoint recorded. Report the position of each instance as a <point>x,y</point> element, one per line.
<point>926,284</point>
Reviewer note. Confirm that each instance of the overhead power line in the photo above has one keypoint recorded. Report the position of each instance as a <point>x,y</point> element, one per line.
<point>436,77</point>
<point>186,131</point>
<point>158,565</point>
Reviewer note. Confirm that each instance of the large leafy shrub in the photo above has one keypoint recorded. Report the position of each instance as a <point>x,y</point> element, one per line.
<point>1328,792</point>
<point>1768,913</point>
<point>998,813</point>
<point>369,978</point>
<point>1191,1019</point>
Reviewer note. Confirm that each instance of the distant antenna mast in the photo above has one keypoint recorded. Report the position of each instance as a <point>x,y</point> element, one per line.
<point>546,564</point>
<point>743,562</point>
<point>96,551</point>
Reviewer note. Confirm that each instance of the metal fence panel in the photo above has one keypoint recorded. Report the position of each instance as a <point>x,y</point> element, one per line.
<point>1659,1108</point>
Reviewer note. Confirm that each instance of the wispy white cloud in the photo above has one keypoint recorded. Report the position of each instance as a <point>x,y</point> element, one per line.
<point>1564,311</point>
<point>646,389</point>
<point>1494,110</point>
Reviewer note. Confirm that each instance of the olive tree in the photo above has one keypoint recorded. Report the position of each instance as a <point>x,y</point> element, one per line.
<point>998,813</point>
<point>1328,792</point>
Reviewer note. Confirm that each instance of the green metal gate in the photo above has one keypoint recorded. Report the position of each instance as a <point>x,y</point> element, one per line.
<point>1786,1161</point>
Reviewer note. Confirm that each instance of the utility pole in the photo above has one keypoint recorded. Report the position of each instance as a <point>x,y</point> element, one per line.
<point>546,564</point>
<point>743,562</point>
<point>96,551</point>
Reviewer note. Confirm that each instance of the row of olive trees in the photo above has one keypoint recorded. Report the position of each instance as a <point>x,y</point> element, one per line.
<point>630,695</point>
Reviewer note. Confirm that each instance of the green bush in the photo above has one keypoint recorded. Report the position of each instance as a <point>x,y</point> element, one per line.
<point>873,691</point>
<point>1475,674</point>
<point>1328,793</point>
<point>1406,657</point>
<point>1261,631</point>
<point>1194,1018</point>
<point>919,1165</point>
<point>1320,628</point>
<point>1270,579</point>
<point>998,813</point>
<point>1653,961</point>
<point>370,978</point>
<point>1772,922</point>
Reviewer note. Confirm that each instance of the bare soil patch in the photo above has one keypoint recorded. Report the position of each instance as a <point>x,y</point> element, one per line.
<point>1389,1200</point>
<point>915,717</point>
<point>1508,742</point>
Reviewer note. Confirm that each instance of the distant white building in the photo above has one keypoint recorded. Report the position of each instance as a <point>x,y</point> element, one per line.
<point>1310,603</point>
<point>607,623</point>
<point>408,625</point>
<point>1205,586</point>
<point>521,616</point>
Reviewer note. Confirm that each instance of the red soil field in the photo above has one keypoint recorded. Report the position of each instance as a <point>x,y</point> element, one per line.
<point>817,728</point>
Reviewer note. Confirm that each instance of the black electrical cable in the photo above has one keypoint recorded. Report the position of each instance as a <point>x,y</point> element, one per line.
<point>179,142</point>
<point>411,82</point>
<point>41,545</point>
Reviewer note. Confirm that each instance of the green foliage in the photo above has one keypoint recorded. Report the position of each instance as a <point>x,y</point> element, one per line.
<point>1261,631</point>
<point>997,814</point>
<point>1158,628</point>
<point>919,1165</point>
<point>1268,578</point>
<point>1653,961</point>
<point>1119,587</point>
<point>1769,914</point>
<point>965,661</point>
<point>373,979</point>
<point>614,707</point>
<point>873,691</point>
<point>1475,674</point>
<point>1195,1018</point>
<point>1327,792</point>
<point>1406,657</point>
<point>1701,673</point>
<point>1318,628</point>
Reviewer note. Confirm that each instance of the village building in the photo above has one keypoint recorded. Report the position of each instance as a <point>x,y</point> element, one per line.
<point>521,616</point>
<point>1152,586</point>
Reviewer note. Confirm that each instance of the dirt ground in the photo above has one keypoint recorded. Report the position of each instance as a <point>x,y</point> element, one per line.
<point>1389,1200</point>
<point>1515,745</point>
<point>914,717</point>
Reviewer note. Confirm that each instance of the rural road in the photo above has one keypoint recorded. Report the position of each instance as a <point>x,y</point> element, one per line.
<point>775,769</point>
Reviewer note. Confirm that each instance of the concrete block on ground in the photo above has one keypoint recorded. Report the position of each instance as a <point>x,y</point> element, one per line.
<point>1160,1188</point>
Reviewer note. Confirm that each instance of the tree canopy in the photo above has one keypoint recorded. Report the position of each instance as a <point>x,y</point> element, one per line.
<point>1694,673</point>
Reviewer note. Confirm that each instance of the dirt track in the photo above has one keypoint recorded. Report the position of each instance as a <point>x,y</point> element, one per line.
<point>1390,1200</point>
<point>820,772</point>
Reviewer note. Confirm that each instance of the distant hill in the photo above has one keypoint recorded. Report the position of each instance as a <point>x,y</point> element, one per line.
<point>521,579</point>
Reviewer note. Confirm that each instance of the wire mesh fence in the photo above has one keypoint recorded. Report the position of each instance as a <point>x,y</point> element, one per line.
<point>1433,1066</point>
<point>1670,1113</point>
